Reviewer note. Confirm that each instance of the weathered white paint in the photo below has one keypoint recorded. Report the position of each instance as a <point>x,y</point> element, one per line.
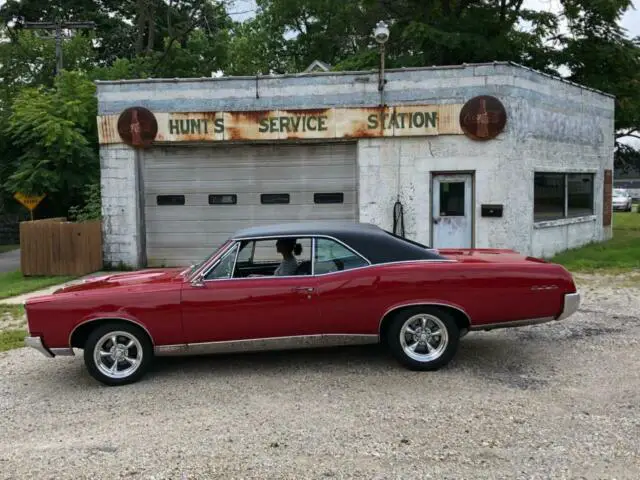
<point>452,231</point>
<point>551,125</point>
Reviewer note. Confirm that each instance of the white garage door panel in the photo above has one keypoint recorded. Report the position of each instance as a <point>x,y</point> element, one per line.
<point>183,234</point>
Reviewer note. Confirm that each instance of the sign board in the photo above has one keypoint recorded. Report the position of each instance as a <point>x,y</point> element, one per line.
<point>137,127</point>
<point>30,202</point>
<point>327,123</point>
<point>483,118</point>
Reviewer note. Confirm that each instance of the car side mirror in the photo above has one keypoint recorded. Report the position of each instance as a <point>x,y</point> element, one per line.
<point>198,282</point>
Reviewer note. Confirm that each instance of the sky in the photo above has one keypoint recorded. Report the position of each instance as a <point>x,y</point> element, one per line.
<point>243,9</point>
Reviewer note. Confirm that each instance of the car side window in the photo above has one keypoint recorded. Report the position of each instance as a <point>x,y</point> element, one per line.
<point>224,268</point>
<point>331,256</point>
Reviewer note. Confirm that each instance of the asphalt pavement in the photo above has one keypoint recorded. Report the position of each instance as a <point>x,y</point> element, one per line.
<point>10,261</point>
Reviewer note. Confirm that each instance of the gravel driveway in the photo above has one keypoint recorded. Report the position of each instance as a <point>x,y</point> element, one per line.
<point>552,401</point>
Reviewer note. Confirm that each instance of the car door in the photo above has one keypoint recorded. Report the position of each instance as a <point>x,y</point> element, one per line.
<point>224,307</point>
<point>347,291</point>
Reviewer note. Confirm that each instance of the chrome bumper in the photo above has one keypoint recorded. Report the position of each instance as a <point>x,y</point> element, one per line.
<point>571,304</point>
<point>36,342</point>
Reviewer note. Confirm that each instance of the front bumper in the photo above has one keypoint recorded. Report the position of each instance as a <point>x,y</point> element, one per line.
<point>36,342</point>
<point>571,305</point>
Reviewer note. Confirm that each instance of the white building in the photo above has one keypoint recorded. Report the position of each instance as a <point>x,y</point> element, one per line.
<point>490,155</point>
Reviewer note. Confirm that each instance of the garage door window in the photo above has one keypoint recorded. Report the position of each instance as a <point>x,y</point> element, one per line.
<point>273,198</point>
<point>323,198</point>
<point>223,199</point>
<point>170,199</point>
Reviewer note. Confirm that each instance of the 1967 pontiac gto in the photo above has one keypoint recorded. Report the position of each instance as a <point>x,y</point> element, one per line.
<point>300,285</point>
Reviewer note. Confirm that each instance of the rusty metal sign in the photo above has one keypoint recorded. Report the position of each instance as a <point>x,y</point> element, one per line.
<point>483,117</point>
<point>329,123</point>
<point>137,127</point>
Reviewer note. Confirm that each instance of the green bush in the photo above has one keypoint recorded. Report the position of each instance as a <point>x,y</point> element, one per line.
<point>92,208</point>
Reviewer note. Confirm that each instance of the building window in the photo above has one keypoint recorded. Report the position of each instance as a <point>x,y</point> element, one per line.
<point>170,199</point>
<point>223,199</point>
<point>328,197</point>
<point>562,195</point>
<point>273,198</point>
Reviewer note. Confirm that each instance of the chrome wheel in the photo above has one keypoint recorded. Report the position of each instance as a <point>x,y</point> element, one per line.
<point>424,337</point>
<point>118,354</point>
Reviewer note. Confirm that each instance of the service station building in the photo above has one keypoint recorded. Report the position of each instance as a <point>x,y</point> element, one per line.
<point>487,155</point>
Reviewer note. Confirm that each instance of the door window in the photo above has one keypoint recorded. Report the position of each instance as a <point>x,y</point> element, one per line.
<point>452,199</point>
<point>262,258</point>
<point>224,268</point>
<point>331,256</point>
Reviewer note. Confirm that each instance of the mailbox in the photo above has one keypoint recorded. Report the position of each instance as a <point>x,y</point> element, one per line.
<point>491,210</point>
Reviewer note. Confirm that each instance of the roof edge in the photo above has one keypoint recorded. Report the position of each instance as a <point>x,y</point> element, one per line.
<point>349,73</point>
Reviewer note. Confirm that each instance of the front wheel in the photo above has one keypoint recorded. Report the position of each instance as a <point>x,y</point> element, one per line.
<point>118,353</point>
<point>423,338</point>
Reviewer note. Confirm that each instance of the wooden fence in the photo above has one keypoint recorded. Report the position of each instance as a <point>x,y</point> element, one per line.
<point>54,246</point>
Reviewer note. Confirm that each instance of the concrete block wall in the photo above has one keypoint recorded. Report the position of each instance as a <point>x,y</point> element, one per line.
<point>120,206</point>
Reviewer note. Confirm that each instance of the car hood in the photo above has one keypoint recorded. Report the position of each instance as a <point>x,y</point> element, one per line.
<point>149,276</point>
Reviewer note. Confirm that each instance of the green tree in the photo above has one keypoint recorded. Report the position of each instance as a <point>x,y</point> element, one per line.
<point>54,132</point>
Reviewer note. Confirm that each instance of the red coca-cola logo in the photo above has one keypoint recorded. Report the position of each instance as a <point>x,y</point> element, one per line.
<point>483,117</point>
<point>137,127</point>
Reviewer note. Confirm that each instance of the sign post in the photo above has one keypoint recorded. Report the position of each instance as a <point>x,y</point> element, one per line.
<point>30,202</point>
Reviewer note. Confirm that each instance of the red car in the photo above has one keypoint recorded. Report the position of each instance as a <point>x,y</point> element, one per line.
<point>300,285</point>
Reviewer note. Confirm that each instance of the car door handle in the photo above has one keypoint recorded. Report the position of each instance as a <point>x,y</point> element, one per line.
<point>303,289</point>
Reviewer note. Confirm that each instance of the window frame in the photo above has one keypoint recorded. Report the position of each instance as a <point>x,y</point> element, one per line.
<point>236,243</point>
<point>565,184</point>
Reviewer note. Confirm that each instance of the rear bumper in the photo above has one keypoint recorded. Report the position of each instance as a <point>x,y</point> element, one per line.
<point>571,305</point>
<point>36,343</point>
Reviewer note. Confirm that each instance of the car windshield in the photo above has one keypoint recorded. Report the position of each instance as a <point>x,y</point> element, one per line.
<point>618,192</point>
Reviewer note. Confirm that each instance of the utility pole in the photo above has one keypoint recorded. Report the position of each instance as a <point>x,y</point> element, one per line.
<point>58,27</point>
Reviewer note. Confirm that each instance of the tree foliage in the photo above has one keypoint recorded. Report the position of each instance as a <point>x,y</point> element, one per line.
<point>49,127</point>
<point>54,134</point>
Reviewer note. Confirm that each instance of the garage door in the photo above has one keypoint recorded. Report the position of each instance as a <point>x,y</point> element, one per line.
<point>196,197</point>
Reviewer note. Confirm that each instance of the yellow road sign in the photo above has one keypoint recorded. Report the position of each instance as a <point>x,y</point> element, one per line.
<point>29,201</point>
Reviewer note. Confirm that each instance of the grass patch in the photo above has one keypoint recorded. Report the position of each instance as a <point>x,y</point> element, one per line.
<point>618,255</point>
<point>13,283</point>
<point>11,339</point>
<point>8,248</point>
<point>12,310</point>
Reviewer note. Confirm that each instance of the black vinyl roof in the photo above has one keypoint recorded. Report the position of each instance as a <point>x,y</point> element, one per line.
<point>374,243</point>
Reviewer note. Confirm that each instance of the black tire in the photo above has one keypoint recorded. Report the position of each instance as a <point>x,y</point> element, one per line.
<point>142,349</point>
<point>437,318</point>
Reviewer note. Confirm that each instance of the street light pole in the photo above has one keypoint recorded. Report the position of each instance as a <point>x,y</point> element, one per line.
<point>381,35</point>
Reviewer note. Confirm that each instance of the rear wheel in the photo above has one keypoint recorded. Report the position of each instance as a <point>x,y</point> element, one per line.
<point>423,338</point>
<point>118,353</point>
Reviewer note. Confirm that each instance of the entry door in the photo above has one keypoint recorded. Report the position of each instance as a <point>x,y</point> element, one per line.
<point>452,205</point>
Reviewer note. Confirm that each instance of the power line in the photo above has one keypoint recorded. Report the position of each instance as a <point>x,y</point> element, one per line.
<point>58,27</point>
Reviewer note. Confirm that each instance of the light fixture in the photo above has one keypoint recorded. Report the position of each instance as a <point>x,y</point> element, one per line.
<point>381,35</point>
